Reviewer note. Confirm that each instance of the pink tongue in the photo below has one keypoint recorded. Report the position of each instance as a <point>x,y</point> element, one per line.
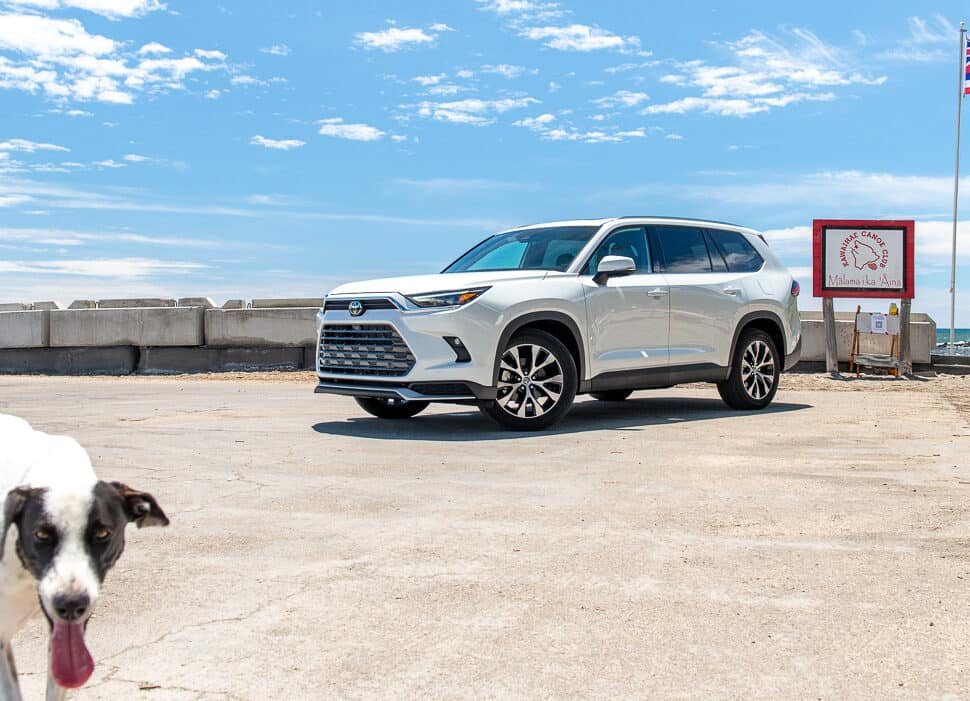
<point>71,663</point>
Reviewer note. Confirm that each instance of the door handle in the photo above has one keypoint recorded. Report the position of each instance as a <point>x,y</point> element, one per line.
<point>657,292</point>
<point>732,291</point>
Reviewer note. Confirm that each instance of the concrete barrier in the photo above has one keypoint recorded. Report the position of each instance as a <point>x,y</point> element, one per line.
<point>142,303</point>
<point>173,361</point>
<point>921,327</point>
<point>69,361</point>
<point>288,303</point>
<point>260,327</point>
<point>196,302</point>
<point>159,326</point>
<point>23,329</point>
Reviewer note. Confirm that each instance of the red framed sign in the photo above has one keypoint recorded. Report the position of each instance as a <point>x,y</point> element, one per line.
<point>863,258</point>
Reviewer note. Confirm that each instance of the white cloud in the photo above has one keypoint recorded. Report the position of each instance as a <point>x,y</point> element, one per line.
<point>122,268</point>
<point>427,80</point>
<point>765,73</point>
<point>540,123</point>
<point>14,200</point>
<point>210,54</point>
<point>544,125</point>
<point>29,146</point>
<point>154,48</point>
<point>278,144</point>
<point>673,137</point>
<point>44,36</point>
<point>508,71</point>
<point>579,37</point>
<point>213,94</point>
<point>277,50</point>
<point>135,158</point>
<point>621,98</point>
<point>246,80</point>
<point>473,110</point>
<point>395,38</point>
<point>440,27</point>
<point>60,59</point>
<point>109,163</point>
<point>355,132</point>
<point>113,9</point>
<point>924,42</point>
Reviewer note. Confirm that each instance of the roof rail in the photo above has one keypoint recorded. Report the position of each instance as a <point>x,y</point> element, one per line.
<point>707,221</point>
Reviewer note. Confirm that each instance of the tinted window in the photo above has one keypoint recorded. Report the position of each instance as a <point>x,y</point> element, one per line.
<point>527,249</point>
<point>684,250</point>
<point>740,256</point>
<point>560,253</point>
<point>631,243</point>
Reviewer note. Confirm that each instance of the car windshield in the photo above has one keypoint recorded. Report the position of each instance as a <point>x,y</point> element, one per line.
<point>552,248</point>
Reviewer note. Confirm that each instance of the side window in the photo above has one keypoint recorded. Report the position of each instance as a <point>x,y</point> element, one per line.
<point>631,243</point>
<point>740,256</point>
<point>559,254</point>
<point>684,249</point>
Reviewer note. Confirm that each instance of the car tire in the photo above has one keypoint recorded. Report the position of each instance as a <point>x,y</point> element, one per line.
<point>537,382</point>
<point>390,408</point>
<point>612,395</point>
<point>755,370</point>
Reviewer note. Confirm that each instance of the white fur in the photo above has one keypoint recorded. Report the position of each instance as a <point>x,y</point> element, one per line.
<point>29,458</point>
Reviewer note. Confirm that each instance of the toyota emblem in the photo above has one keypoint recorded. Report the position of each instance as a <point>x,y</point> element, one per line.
<point>356,308</point>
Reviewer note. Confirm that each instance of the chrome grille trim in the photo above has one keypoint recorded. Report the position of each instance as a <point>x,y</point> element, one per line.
<point>342,305</point>
<point>364,349</point>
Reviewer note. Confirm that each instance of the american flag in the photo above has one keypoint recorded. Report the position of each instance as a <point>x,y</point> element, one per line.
<point>966,83</point>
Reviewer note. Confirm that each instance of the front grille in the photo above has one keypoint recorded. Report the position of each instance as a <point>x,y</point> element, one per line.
<point>364,349</point>
<point>334,305</point>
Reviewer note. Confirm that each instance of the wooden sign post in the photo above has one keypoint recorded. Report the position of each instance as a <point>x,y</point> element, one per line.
<point>863,258</point>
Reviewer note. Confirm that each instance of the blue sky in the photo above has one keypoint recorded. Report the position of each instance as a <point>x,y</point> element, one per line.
<point>275,149</point>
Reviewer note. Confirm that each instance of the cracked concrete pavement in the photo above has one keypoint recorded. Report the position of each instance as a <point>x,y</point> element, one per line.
<point>664,547</point>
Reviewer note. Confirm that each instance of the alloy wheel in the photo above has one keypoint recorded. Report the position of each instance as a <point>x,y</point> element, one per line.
<point>758,370</point>
<point>530,381</point>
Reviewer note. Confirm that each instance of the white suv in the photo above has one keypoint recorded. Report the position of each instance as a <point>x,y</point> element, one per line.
<point>529,318</point>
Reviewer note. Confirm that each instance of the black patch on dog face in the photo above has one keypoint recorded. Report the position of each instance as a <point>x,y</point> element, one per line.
<point>113,506</point>
<point>37,538</point>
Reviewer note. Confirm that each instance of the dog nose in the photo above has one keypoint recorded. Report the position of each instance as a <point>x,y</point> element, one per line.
<point>71,607</point>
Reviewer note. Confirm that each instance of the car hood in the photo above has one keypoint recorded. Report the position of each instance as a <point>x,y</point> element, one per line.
<point>442,282</point>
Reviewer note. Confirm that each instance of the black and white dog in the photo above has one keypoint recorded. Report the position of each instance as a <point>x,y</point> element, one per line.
<point>70,531</point>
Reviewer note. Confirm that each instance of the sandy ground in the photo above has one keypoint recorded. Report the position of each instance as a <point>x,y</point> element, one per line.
<point>665,547</point>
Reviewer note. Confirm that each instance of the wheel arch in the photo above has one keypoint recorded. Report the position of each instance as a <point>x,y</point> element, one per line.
<point>766,321</point>
<point>557,324</point>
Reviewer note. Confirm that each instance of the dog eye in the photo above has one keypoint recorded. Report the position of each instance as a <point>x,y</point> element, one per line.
<point>102,534</point>
<point>43,535</point>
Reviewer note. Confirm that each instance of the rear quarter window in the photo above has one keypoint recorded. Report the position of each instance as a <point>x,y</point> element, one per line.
<point>739,255</point>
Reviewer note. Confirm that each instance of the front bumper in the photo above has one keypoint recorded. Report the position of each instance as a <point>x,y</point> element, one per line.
<point>433,370</point>
<point>457,392</point>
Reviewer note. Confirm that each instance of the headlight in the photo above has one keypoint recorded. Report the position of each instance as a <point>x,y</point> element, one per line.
<point>455,298</point>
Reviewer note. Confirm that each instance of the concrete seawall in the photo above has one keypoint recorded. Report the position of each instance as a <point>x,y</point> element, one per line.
<point>157,336</point>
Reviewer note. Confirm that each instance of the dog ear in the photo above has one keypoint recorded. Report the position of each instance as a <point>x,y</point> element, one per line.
<point>140,507</point>
<point>13,506</point>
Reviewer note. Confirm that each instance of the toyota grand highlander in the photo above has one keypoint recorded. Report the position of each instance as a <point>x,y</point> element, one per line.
<point>531,317</point>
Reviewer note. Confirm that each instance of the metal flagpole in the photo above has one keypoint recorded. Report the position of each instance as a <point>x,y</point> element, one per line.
<point>956,186</point>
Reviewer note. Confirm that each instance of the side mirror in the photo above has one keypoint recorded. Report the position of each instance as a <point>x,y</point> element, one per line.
<point>614,266</point>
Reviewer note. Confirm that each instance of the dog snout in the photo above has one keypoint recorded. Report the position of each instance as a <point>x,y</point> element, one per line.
<point>71,607</point>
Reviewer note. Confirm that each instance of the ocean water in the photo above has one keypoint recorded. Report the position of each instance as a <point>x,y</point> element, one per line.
<point>961,338</point>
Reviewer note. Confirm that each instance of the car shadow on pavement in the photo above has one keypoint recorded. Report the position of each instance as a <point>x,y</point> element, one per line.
<point>469,425</point>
